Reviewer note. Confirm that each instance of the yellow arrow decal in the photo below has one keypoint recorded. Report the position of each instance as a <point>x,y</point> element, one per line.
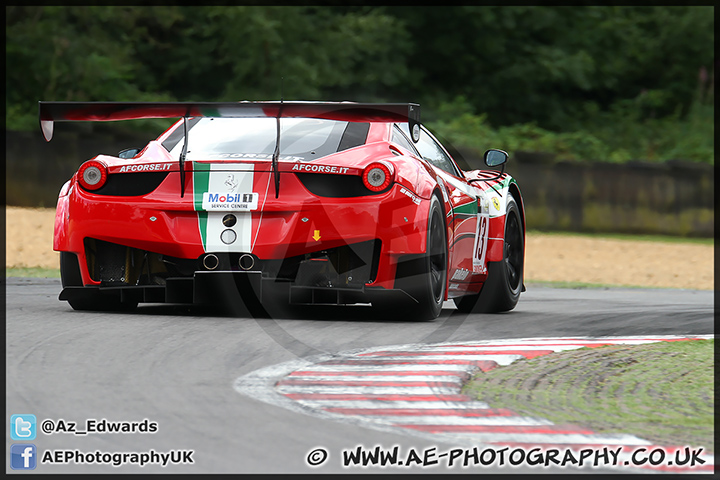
<point>316,235</point>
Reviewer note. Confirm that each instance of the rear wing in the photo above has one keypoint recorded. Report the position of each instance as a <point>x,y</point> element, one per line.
<point>51,112</point>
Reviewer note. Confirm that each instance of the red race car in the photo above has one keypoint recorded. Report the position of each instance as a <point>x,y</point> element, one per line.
<point>269,203</point>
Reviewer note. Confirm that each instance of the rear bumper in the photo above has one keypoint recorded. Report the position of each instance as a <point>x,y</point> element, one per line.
<point>298,223</point>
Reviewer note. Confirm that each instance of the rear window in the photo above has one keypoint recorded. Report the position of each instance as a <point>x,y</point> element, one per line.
<point>300,138</point>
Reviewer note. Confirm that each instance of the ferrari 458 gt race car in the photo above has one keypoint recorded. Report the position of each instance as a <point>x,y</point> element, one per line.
<point>267,203</point>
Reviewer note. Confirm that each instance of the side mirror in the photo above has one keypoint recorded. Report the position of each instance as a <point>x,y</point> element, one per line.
<point>128,152</point>
<point>495,157</point>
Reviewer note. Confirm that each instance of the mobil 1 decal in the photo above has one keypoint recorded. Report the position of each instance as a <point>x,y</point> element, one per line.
<point>220,190</point>
<point>481,237</point>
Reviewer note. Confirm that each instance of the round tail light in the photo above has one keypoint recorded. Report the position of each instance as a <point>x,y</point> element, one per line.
<point>377,177</point>
<point>92,174</point>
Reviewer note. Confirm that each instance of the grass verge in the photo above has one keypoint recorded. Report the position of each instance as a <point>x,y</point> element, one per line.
<point>580,285</point>
<point>662,392</point>
<point>33,272</point>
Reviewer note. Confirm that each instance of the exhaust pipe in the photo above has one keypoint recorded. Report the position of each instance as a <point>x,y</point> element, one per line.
<point>210,261</point>
<point>246,261</point>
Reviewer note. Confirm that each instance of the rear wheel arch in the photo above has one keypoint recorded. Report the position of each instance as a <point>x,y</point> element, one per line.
<point>423,276</point>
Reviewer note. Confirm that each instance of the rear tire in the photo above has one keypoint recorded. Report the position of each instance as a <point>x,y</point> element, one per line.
<point>425,277</point>
<point>70,270</point>
<point>501,290</point>
<point>70,277</point>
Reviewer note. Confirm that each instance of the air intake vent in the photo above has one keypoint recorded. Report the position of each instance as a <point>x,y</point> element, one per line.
<point>336,186</point>
<point>131,184</point>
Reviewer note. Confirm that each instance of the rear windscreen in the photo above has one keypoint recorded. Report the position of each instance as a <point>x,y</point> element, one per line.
<point>300,138</point>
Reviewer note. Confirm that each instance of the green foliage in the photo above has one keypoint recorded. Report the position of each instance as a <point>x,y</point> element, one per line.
<point>582,82</point>
<point>70,54</point>
<point>610,137</point>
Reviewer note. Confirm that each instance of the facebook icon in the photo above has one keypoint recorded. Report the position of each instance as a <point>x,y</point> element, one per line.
<point>22,456</point>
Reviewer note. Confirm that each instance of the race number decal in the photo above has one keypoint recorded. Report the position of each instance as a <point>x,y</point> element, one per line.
<point>481,235</point>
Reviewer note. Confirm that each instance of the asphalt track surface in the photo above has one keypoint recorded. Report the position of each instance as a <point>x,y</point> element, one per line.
<point>177,366</point>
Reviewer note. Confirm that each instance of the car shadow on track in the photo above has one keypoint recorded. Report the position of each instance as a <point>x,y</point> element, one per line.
<point>359,312</point>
